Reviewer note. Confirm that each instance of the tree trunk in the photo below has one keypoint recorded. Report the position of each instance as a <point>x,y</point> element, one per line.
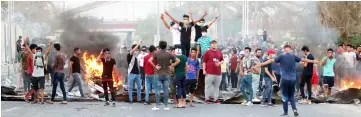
<point>344,36</point>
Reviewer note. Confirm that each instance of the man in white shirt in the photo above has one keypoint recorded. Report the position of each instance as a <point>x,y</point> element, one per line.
<point>350,61</point>
<point>140,57</point>
<point>174,29</point>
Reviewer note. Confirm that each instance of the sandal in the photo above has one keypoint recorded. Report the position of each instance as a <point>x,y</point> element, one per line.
<point>64,102</point>
<point>176,106</point>
<point>50,102</point>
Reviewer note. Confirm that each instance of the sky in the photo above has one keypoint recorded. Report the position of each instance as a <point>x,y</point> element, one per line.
<point>126,11</point>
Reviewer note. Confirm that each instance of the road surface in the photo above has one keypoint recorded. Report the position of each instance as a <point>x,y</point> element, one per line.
<point>96,109</point>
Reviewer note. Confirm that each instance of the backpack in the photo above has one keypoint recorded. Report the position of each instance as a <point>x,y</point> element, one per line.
<point>44,66</point>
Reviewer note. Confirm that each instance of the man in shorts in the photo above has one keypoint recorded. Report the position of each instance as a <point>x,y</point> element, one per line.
<point>328,66</point>
<point>192,74</point>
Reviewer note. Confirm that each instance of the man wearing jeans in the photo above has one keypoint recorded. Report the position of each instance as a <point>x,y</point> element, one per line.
<point>133,73</point>
<point>58,66</point>
<point>149,74</point>
<point>288,81</point>
<point>26,77</point>
<point>246,72</point>
<point>74,69</point>
<point>267,79</point>
<point>212,61</point>
<point>257,77</point>
<point>162,72</point>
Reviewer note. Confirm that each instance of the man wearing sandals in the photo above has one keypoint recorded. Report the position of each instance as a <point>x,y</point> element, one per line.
<point>38,71</point>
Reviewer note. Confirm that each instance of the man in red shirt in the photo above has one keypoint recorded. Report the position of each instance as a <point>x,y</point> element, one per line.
<point>212,61</point>
<point>234,63</point>
<point>149,72</point>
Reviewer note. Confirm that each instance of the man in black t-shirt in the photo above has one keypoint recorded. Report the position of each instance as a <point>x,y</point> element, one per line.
<point>202,26</point>
<point>109,66</point>
<point>133,73</point>
<point>306,76</point>
<point>186,30</point>
<point>74,68</point>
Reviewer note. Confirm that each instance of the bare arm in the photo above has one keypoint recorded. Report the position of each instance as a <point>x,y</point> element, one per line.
<point>198,49</point>
<point>151,61</point>
<point>267,62</point>
<point>171,17</point>
<point>100,56</point>
<point>175,63</point>
<point>186,67</point>
<point>268,73</point>
<point>197,20</point>
<point>214,20</point>
<point>135,48</point>
<point>70,67</point>
<point>309,61</point>
<point>241,68</point>
<point>165,22</point>
<point>48,49</point>
<point>324,62</point>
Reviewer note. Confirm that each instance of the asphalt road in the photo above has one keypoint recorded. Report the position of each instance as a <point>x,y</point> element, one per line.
<point>96,109</point>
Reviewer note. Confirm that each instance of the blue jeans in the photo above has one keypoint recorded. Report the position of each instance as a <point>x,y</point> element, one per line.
<point>267,90</point>
<point>162,81</point>
<point>150,83</point>
<point>58,78</point>
<point>131,79</point>
<point>288,91</point>
<point>223,86</point>
<point>77,80</point>
<point>246,82</point>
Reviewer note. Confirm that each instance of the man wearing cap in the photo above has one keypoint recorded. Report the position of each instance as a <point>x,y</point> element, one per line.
<point>288,71</point>
<point>212,61</point>
<point>268,77</point>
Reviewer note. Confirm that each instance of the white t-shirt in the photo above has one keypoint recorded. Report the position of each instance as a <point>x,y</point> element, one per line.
<point>38,67</point>
<point>175,30</point>
<point>141,59</point>
<point>350,59</point>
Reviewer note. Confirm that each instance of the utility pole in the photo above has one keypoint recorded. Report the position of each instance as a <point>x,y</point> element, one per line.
<point>221,36</point>
<point>158,23</point>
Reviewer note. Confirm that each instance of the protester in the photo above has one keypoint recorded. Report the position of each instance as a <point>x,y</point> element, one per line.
<point>133,73</point>
<point>358,53</point>
<point>314,81</point>
<point>26,77</point>
<point>233,67</point>
<point>58,66</point>
<point>306,77</point>
<point>350,61</point>
<point>225,71</point>
<point>162,72</point>
<point>38,70</point>
<point>192,74</point>
<point>150,80</point>
<point>267,79</point>
<point>174,29</point>
<point>140,59</point>
<point>74,68</point>
<point>212,61</point>
<point>340,65</point>
<point>328,63</point>
<point>186,30</point>
<point>201,26</point>
<point>29,70</point>
<point>109,66</point>
<point>256,77</point>
<point>246,70</point>
<point>180,77</point>
<point>288,73</point>
<point>203,43</point>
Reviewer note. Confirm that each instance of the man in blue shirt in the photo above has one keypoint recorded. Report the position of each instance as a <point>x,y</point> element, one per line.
<point>192,74</point>
<point>288,71</point>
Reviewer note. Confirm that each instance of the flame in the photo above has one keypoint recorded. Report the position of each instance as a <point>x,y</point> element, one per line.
<point>350,84</point>
<point>94,69</point>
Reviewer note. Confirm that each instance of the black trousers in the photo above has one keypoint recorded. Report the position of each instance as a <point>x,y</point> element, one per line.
<point>306,79</point>
<point>142,75</point>
<point>107,82</point>
<point>186,46</point>
<point>234,79</point>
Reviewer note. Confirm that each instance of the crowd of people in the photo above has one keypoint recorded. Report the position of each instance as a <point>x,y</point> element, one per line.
<point>252,71</point>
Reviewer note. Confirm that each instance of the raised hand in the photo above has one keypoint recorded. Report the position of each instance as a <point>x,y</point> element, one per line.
<point>162,16</point>
<point>190,10</point>
<point>101,52</point>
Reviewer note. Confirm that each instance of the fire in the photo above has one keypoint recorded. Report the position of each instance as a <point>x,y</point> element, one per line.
<point>350,84</point>
<point>94,69</point>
